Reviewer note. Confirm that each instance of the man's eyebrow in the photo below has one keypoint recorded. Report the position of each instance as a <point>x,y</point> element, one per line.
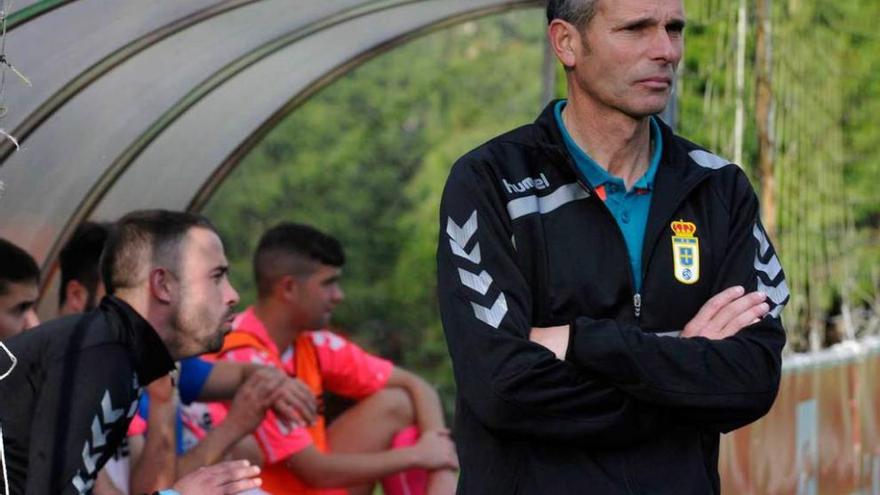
<point>638,22</point>
<point>647,21</point>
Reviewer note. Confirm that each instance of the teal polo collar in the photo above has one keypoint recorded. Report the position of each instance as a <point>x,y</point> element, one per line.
<point>595,174</point>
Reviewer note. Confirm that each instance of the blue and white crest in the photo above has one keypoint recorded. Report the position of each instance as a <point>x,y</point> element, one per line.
<point>685,252</point>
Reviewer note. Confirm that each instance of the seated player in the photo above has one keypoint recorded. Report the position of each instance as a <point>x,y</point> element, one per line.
<point>19,277</point>
<point>297,271</point>
<point>81,287</point>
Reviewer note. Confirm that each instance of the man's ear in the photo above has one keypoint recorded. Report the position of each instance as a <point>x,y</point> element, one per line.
<point>287,286</point>
<point>161,284</point>
<point>75,296</point>
<point>565,40</point>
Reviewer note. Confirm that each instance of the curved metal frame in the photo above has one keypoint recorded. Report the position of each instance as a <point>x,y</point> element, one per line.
<point>115,169</point>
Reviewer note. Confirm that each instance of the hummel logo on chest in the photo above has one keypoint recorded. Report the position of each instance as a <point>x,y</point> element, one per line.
<point>524,185</point>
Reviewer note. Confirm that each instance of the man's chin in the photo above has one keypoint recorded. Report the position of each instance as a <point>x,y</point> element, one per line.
<point>224,330</point>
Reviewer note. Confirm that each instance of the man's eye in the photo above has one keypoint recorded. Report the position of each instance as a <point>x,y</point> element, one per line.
<point>675,28</point>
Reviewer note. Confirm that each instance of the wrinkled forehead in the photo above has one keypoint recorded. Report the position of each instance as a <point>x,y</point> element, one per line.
<point>622,10</point>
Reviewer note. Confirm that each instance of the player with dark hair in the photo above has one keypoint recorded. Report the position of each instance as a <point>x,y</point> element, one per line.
<point>297,270</point>
<point>81,285</point>
<point>19,279</point>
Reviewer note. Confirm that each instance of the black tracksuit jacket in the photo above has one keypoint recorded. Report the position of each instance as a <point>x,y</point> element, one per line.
<point>68,390</point>
<point>633,409</point>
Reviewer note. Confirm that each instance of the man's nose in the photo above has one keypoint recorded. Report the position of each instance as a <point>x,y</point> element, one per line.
<point>232,297</point>
<point>31,319</point>
<point>666,47</point>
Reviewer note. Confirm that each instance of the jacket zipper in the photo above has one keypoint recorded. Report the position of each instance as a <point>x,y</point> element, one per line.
<point>637,297</point>
<point>637,305</point>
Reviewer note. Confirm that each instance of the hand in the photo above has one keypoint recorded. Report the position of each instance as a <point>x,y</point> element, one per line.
<point>435,450</point>
<point>161,390</point>
<point>220,479</point>
<point>727,313</point>
<point>253,398</point>
<point>295,402</point>
<point>553,338</point>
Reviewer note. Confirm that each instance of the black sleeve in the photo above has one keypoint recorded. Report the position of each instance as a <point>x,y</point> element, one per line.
<point>721,384</point>
<point>80,416</point>
<point>511,384</point>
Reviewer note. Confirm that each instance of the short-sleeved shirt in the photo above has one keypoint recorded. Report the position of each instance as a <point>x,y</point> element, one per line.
<point>346,370</point>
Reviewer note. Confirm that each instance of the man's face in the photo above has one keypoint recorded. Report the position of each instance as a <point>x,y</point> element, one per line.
<point>315,297</point>
<point>205,298</point>
<point>629,53</point>
<point>17,308</point>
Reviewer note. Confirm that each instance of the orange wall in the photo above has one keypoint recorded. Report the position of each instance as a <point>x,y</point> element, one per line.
<point>822,435</point>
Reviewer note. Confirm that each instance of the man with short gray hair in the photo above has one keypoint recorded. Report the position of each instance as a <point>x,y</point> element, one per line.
<point>610,299</point>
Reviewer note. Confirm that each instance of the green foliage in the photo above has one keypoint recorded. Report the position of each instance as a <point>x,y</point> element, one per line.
<point>366,158</point>
<point>826,165</point>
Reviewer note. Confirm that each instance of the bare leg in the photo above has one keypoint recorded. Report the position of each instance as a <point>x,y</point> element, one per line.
<point>370,426</point>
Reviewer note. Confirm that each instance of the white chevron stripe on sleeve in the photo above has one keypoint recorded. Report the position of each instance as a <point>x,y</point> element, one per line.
<point>776,294</point>
<point>479,283</point>
<point>775,312</point>
<point>474,256</point>
<point>763,242</point>
<point>771,268</point>
<point>462,235</point>
<point>491,316</point>
<point>12,361</point>
<point>110,415</point>
<point>99,437</point>
<point>90,460</point>
<point>83,487</point>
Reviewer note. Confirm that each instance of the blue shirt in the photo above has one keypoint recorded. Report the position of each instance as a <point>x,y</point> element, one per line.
<point>629,208</point>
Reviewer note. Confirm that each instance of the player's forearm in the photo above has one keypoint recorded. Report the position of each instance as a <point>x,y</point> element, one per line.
<point>155,467</point>
<point>211,449</point>
<point>428,409</point>
<point>738,375</point>
<point>345,470</point>
<point>442,481</point>
<point>426,402</point>
<point>225,378</point>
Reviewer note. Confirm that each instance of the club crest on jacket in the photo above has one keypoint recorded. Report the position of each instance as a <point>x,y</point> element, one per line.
<point>685,252</point>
